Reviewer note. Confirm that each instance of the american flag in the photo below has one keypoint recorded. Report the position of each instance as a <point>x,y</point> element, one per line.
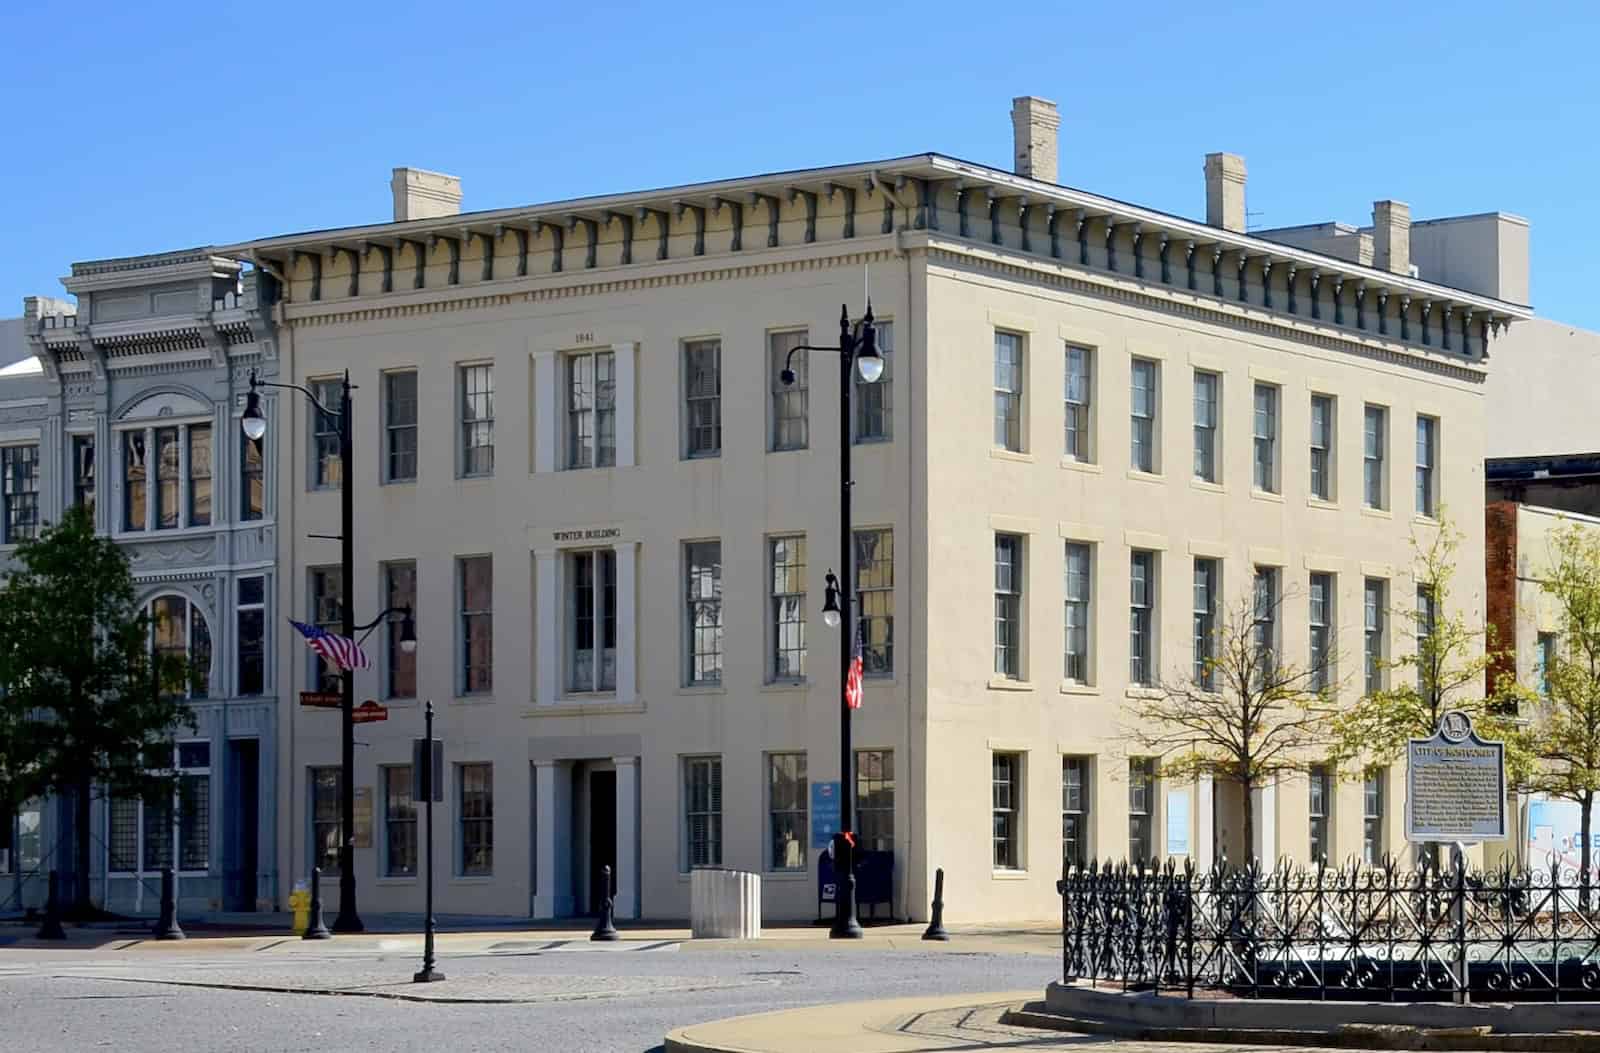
<point>340,650</point>
<point>852,680</point>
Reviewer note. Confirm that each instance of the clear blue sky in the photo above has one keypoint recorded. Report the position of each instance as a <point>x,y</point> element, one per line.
<point>140,127</point>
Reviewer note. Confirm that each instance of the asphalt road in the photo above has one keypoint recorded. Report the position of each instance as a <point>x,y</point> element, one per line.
<point>585,1000</point>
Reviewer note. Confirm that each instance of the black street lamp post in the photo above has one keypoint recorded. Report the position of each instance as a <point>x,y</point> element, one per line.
<point>254,424</point>
<point>857,348</point>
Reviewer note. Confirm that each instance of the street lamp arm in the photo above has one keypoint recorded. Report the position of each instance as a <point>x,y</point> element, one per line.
<point>255,382</point>
<point>374,623</point>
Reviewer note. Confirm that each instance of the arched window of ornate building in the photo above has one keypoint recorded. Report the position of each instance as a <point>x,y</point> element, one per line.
<point>178,629</point>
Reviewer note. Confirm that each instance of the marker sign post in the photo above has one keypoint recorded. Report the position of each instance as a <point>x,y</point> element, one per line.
<point>1455,785</point>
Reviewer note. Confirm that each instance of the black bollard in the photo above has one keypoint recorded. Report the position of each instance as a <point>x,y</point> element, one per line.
<point>167,925</point>
<point>51,929</point>
<point>606,929</point>
<point>317,929</point>
<point>936,925</point>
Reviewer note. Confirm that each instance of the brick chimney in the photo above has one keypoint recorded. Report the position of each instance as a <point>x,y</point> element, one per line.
<point>1391,236</point>
<point>1034,123</point>
<point>420,194</point>
<point>1225,175</point>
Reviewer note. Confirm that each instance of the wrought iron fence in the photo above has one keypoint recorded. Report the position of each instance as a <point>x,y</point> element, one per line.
<point>1351,932</point>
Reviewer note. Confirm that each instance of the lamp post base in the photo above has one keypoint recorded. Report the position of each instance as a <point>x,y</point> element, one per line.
<point>347,923</point>
<point>427,976</point>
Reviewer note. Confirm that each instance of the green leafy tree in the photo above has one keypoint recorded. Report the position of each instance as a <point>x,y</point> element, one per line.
<point>95,708</point>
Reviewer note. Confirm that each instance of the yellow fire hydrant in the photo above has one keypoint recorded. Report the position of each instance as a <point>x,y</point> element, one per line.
<point>300,903</point>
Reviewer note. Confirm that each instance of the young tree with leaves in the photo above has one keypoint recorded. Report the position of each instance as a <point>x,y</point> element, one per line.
<point>94,704</point>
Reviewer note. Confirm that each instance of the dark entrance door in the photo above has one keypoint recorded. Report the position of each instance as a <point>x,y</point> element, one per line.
<point>602,834</point>
<point>239,865</point>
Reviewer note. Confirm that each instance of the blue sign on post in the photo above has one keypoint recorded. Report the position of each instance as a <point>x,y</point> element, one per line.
<point>824,813</point>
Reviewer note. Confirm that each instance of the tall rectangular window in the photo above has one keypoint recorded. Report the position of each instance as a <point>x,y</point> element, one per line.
<point>1264,628</point>
<point>142,833</point>
<point>1008,606</point>
<point>1006,795</point>
<point>875,800</point>
<point>1075,811</point>
<point>400,588</point>
<point>19,490</point>
<point>1205,623</point>
<point>702,567</point>
<point>1322,621</point>
<point>475,582</point>
<point>1321,804</point>
<point>83,472</point>
<point>1374,426</point>
<point>592,620</point>
<point>194,806</point>
<point>1008,391</point>
<point>1372,801</point>
<point>791,403</point>
<point>1322,447</point>
<point>875,401</point>
<point>326,470</point>
<point>168,480</point>
<point>252,480</point>
<point>1141,807</point>
<point>399,822</point>
<point>592,409</point>
<point>786,556</point>
<point>702,811</point>
<point>1077,590</point>
<point>875,585</point>
<point>1143,395</point>
<point>327,612</point>
<point>400,426</point>
<point>1427,618</point>
<point>1079,430</point>
<point>476,386</point>
<point>326,829</point>
<point>251,635</point>
<point>787,835</point>
<point>1374,604</point>
<point>702,394</point>
<point>1544,659</point>
<point>476,803</point>
<point>135,480</point>
<point>1266,438</point>
<point>1427,461</point>
<point>1141,618</point>
<point>1205,426</point>
<point>199,474</point>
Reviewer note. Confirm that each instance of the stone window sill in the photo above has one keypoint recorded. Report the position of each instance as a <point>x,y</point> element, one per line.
<point>1207,486</point>
<point>1139,476</point>
<point>1376,513</point>
<point>1072,687</point>
<point>1009,875</point>
<point>1266,495</point>
<point>1002,683</point>
<point>1082,466</point>
<point>1019,456</point>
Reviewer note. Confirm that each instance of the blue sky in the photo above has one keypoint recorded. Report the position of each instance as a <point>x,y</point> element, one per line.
<point>140,127</point>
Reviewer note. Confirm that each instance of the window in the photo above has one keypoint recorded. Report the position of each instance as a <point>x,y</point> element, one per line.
<point>83,472</point>
<point>167,478</point>
<point>1427,460</point>
<point>1008,391</point>
<point>183,477</point>
<point>1321,803</point>
<point>178,631</point>
<point>476,783</point>
<point>1321,617</point>
<point>1141,618</point>
<point>326,471</point>
<point>251,635</point>
<point>1075,811</point>
<point>1008,606</point>
<point>19,487</point>
<point>1372,795</point>
<point>790,402</point>
<point>142,832</point>
<point>702,811</point>
<point>702,565</point>
<point>1264,626</point>
<point>400,426</point>
<point>1266,425</point>
<point>1205,624</point>
<point>875,800</point>
<point>327,612</point>
<point>1143,422</point>
<point>1544,659</point>
<point>399,823</point>
<point>1427,618</point>
<point>1322,447</point>
<point>1374,604</point>
<point>787,557</point>
<point>199,474</point>
<point>702,392</point>
<point>252,484</point>
<point>476,577</point>
<point>592,409</point>
<point>1141,808</point>
<point>135,480</point>
<point>1205,426</point>
<point>1079,434</point>
<point>1006,791</point>
<point>875,586</point>
<point>875,402</point>
<point>1076,663</point>
<point>1372,456</point>
<point>326,830</point>
<point>592,620</point>
<point>786,811</point>
<point>477,420</point>
<point>400,588</point>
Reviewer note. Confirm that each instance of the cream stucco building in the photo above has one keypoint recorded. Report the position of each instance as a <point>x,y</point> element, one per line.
<point>573,453</point>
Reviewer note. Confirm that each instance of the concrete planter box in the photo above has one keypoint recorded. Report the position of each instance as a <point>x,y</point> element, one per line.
<point>724,904</point>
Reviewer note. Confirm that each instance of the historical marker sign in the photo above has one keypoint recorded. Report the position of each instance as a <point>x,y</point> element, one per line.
<point>1455,785</point>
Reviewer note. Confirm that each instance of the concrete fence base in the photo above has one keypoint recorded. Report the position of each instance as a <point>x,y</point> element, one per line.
<point>724,904</point>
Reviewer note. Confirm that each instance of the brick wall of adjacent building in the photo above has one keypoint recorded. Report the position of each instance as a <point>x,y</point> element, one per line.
<point>1500,585</point>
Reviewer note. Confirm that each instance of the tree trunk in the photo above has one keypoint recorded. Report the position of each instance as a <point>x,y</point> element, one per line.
<point>82,909</point>
<point>1249,820</point>
<point>1586,852</point>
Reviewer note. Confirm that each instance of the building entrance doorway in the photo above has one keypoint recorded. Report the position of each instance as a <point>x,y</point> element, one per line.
<point>602,839</point>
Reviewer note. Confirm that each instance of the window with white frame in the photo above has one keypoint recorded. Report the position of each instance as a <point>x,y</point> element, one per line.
<point>1321,618</point>
<point>142,834</point>
<point>327,830</point>
<point>400,590</point>
<point>1008,582</point>
<point>1075,667</point>
<point>199,497</point>
<point>786,558</point>
<point>1264,627</point>
<point>1206,576</point>
<point>326,469</point>
<point>83,472</point>
<point>1144,378</point>
<point>1427,463</point>
<point>1374,604</point>
<point>475,585</point>
<point>1141,808</point>
<point>327,612</point>
<point>1008,391</point>
<point>1141,618</point>
<point>182,490</point>
<point>1322,447</point>
<point>702,396</point>
<point>592,620</point>
<point>19,491</point>
<point>591,409</point>
<point>1374,429</point>
<point>1075,783</point>
<point>250,643</point>
<point>787,829</point>
<point>702,812</point>
<point>168,478</point>
<point>475,385</point>
<point>1372,803</point>
<point>178,632</point>
<point>875,587</point>
<point>874,402</point>
<point>475,817</point>
<point>1544,659</point>
<point>1206,388</point>
<point>1266,438</point>
<point>790,402</point>
<point>1079,445</point>
<point>399,822</point>
<point>1006,795</point>
<point>1427,619</point>
<point>875,800</point>
<point>252,480</point>
<point>702,568</point>
<point>1321,806</point>
<point>135,481</point>
<point>400,426</point>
